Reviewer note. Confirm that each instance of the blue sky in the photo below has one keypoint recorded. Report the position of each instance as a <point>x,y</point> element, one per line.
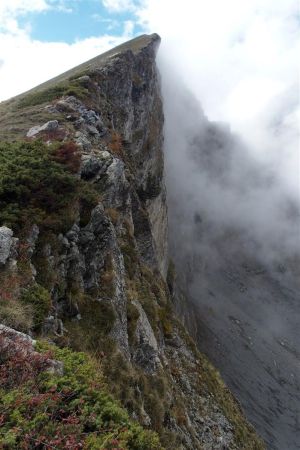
<point>75,20</point>
<point>41,38</point>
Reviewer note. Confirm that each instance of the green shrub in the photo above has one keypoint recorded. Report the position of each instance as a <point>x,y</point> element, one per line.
<point>38,185</point>
<point>43,96</point>
<point>40,300</point>
<point>42,409</point>
<point>72,87</point>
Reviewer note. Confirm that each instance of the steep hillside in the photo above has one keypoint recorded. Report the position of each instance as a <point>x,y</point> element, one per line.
<point>235,237</point>
<point>84,265</point>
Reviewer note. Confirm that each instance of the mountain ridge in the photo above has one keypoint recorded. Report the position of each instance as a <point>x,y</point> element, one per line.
<point>88,265</point>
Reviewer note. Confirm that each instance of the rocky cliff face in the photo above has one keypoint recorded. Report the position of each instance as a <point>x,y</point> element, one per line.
<point>92,274</point>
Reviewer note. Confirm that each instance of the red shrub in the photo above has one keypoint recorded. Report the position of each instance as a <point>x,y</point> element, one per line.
<point>68,155</point>
<point>19,363</point>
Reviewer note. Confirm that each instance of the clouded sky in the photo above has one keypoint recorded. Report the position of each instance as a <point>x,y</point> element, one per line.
<point>253,42</point>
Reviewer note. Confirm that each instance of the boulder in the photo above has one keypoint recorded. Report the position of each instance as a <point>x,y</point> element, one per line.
<point>48,126</point>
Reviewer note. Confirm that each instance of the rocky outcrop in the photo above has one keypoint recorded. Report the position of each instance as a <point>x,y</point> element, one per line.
<point>21,345</point>
<point>49,126</point>
<point>7,244</point>
<point>106,273</point>
<point>146,353</point>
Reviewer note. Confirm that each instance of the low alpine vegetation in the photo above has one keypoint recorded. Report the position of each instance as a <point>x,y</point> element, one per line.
<point>45,410</point>
<point>38,184</point>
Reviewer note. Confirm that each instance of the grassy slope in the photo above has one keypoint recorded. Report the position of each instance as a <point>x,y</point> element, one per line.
<point>18,114</point>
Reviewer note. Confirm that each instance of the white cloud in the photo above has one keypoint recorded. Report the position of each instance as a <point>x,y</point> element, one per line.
<point>238,57</point>
<point>220,43</point>
<point>118,5</point>
<point>243,105</point>
<point>61,5</point>
<point>11,9</point>
<point>26,63</point>
<point>128,27</point>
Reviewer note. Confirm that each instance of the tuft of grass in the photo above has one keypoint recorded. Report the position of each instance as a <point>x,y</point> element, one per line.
<point>107,279</point>
<point>90,333</point>
<point>113,214</point>
<point>39,300</point>
<point>39,97</point>
<point>171,275</point>
<point>116,145</point>
<point>132,318</point>
<point>15,314</point>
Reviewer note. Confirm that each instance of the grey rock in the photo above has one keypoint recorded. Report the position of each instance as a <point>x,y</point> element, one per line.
<point>7,243</point>
<point>90,166</point>
<point>73,234</point>
<point>53,325</point>
<point>10,335</point>
<point>49,126</point>
<point>90,116</point>
<point>98,240</point>
<point>95,165</point>
<point>32,239</point>
<point>116,186</point>
<point>92,130</point>
<point>69,104</point>
<point>84,80</point>
<point>83,141</point>
<point>51,109</point>
<point>146,352</point>
<point>78,123</point>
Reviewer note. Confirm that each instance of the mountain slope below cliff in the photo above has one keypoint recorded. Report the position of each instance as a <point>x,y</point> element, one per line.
<point>235,237</point>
